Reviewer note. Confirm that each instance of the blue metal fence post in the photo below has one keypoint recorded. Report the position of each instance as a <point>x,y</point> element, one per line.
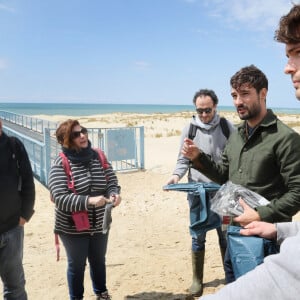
<point>142,147</point>
<point>47,152</point>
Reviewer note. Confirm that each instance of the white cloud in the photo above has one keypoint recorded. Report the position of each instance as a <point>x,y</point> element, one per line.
<point>255,14</point>
<point>6,8</point>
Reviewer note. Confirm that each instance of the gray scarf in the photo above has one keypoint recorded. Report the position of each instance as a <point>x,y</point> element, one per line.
<point>207,126</point>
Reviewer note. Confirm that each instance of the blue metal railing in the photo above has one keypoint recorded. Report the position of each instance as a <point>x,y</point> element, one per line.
<point>32,123</point>
<point>124,147</point>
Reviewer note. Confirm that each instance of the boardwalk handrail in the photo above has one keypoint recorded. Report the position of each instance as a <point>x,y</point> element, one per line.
<point>32,123</point>
<point>124,147</point>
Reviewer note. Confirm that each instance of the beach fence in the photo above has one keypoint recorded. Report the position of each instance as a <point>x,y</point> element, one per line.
<point>123,146</point>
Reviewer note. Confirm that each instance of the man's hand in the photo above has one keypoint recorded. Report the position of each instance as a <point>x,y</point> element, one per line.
<point>22,221</point>
<point>248,215</point>
<point>263,229</point>
<point>189,149</point>
<point>173,179</point>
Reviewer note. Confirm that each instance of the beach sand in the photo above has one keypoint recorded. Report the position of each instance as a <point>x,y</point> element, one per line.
<point>149,254</point>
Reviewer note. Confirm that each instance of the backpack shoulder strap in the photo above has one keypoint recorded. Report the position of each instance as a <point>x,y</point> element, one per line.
<point>192,131</point>
<point>102,158</point>
<point>66,166</point>
<point>224,127</point>
<point>223,123</point>
<point>103,161</point>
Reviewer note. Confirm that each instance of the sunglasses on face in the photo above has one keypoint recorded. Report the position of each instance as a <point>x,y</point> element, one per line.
<point>200,111</point>
<point>76,134</point>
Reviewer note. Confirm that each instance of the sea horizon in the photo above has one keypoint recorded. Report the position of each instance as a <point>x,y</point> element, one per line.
<point>79,109</point>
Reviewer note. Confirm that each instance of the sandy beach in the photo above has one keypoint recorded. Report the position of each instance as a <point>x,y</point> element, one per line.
<point>148,254</point>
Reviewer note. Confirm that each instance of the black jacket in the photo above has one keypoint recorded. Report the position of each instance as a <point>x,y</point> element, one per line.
<point>14,203</point>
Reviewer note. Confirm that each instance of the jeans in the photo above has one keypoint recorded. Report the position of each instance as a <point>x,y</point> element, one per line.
<point>11,264</point>
<point>198,243</point>
<point>79,249</point>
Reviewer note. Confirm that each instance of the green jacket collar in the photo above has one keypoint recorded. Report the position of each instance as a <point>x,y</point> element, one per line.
<point>269,120</point>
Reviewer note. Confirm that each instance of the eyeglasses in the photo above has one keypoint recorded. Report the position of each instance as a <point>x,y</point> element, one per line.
<point>200,111</point>
<point>76,134</point>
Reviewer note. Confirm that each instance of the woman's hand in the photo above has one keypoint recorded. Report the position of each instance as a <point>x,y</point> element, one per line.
<point>115,199</point>
<point>98,201</point>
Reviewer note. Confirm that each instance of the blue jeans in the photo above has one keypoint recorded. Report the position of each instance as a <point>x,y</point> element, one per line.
<point>11,264</point>
<point>198,243</point>
<point>79,249</point>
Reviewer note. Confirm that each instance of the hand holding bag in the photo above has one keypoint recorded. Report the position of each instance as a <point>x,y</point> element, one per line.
<point>247,252</point>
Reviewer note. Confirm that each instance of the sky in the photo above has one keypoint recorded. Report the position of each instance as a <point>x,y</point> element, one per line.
<point>138,51</point>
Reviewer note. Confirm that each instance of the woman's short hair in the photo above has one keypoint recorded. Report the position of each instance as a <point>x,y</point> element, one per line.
<point>64,133</point>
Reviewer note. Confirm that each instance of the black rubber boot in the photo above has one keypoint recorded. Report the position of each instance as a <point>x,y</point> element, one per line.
<point>196,288</point>
<point>223,251</point>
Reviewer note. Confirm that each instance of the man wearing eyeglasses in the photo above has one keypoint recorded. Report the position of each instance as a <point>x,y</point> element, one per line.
<point>278,277</point>
<point>209,132</point>
<point>263,155</point>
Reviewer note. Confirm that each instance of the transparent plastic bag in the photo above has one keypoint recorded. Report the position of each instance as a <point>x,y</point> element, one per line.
<point>226,200</point>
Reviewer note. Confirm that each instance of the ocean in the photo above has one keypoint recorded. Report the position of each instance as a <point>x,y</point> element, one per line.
<point>79,109</point>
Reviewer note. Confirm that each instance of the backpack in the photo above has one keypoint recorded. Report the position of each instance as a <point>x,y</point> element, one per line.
<point>16,156</point>
<point>71,184</point>
<point>223,123</point>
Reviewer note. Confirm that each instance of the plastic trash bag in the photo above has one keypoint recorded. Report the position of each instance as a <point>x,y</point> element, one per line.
<point>202,218</point>
<point>247,252</point>
<point>226,200</point>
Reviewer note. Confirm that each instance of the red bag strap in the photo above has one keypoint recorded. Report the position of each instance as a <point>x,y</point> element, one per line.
<point>66,166</point>
<point>103,160</point>
<point>71,186</point>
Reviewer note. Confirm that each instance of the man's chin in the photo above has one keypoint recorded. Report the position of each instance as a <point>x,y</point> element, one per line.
<point>243,116</point>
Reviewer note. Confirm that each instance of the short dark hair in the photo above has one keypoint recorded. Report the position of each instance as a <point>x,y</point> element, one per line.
<point>288,31</point>
<point>250,75</point>
<point>206,92</point>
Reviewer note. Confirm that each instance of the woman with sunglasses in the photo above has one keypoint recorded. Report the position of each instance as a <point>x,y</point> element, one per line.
<point>210,133</point>
<point>79,211</point>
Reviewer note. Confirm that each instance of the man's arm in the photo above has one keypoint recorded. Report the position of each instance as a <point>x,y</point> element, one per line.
<point>277,278</point>
<point>28,188</point>
<point>182,164</point>
<point>217,172</point>
<point>288,204</point>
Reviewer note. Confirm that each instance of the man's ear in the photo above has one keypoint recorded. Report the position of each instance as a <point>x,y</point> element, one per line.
<point>263,93</point>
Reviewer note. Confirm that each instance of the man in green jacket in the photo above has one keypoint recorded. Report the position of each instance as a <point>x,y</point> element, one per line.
<point>262,155</point>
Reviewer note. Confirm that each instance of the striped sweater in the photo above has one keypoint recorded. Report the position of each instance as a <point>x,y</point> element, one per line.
<point>90,180</point>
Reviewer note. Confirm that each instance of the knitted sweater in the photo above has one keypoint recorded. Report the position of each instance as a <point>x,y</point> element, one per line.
<point>90,180</point>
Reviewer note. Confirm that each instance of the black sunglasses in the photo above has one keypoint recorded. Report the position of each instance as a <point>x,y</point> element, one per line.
<point>200,111</point>
<point>76,134</point>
